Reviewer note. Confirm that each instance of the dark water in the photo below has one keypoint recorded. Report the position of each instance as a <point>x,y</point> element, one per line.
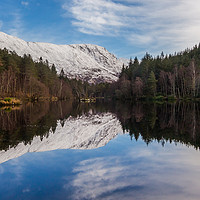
<point>65,150</point>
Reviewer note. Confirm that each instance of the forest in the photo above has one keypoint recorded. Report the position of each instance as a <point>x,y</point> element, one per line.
<point>23,78</point>
<point>163,77</point>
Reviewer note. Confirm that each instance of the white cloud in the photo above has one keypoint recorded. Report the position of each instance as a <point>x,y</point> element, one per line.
<point>24,3</point>
<point>97,17</point>
<point>16,27</point>
<point>152,24</point>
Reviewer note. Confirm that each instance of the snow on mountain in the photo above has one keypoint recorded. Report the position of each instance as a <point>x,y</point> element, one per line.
<point>85,132</point>
<point>87,62</point>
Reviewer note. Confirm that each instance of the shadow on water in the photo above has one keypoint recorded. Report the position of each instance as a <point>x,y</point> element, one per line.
<point>178,122</point>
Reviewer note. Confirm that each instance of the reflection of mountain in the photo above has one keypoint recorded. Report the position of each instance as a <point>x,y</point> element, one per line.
<point>47,126</point>
<point>30,120</point>
<point>84,132</point>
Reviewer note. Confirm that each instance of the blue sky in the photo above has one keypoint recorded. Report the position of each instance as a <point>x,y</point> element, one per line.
<point>127,28</point>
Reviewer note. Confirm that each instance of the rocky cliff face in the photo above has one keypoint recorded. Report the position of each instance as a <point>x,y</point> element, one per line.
<point>87,62</point>
<point>85,132</point>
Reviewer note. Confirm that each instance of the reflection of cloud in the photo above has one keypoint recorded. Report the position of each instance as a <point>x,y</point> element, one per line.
<point>26,190</point>
<point>143,173</point>
<point>16,168</point>
<point>1,170</point>
<point>98,176</point>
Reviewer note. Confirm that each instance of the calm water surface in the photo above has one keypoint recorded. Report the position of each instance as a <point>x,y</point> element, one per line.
<point>65,150</point>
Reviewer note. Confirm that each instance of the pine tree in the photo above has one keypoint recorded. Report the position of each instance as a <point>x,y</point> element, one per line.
<point>53,69</point>
<point>62,74</point>
<point>151,84</point>
<point>136,62</point>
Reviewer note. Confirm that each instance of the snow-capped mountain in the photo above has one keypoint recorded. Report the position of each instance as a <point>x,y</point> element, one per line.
<point>84,132</point>
<point>87,62</point>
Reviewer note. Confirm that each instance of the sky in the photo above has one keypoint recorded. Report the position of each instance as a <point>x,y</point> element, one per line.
<point>126,28</point>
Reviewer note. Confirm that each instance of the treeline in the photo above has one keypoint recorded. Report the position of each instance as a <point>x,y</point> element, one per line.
<point>22,77</point>
<point>82,89</point>
<point>165,76</point>
<point>172,77</point>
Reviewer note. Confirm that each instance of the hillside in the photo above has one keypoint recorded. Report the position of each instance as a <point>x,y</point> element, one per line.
<point>86,62</point>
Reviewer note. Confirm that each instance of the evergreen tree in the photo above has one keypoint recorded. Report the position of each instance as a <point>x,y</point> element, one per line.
<point>62,74</point>
<point>53,69</point>
<point>151,84</point>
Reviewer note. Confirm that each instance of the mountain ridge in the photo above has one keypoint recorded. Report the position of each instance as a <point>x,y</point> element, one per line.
<point>87,62</point>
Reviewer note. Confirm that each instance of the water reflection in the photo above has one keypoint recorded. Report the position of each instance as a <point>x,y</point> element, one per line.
<point>21,125</point>
<point>91,126</point>
<point>127,166</point>
<point>179,122</point>
<point>140,173</point>
<point>51,129</point>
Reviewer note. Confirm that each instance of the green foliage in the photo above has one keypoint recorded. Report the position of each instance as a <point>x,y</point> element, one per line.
<point>22,77</point>
<point>175,75</point>
<point>7,99</point>
<point>151,84</point>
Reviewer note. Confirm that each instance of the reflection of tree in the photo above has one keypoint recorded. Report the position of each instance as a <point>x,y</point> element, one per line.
<point>31,120</point>
<point>179,122</point>
<point>38,119</point>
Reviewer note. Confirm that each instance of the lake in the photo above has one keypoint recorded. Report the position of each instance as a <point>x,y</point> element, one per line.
<point>68,150</point>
